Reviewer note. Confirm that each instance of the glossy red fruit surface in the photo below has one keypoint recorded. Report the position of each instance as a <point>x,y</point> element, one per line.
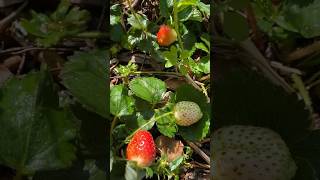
<point>142,149</point>
<point>166,35</point>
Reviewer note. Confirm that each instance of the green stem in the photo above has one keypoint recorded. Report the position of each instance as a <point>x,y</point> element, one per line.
<point>176,25</point>
<point>92,34</point>
<point>299,85</point>
<point>157,72</point>
<point>147,123</point>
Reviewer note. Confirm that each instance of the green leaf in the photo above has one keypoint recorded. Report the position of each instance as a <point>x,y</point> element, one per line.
<point>145,45</point>
<point>91,131</point>
<point>165,121</point>
<point>185,14</point>
<point>189,39</point>
<point>62,10</point>
<point>205,8</point>
<point>148,88</point>
<point>301,17</point>
<point>65,21</point>
<point>127,69</point>
<point>204,64</point>
<point>138,120</point>
<point>138,21</point>
<point>119,133</point>
<point>85,75</point>
<point>115,14</point>
<point>134,36</point>
<point>202,47</point>
<point>182,69</point>
<point>164,8</point>
<point>196,15</point>
<point>189,13</point>
<point>34,131</point>
<point>263,8</point>
<point>176,163</point>
<point>232,20</point>
<point>186,54</point>
<point>182,3</point>
<point>118,34</point>
<point>199,130</point>
<point>171,57</point>
<point>120,103</point>
<point>206,39</point>
<point>149,172</point>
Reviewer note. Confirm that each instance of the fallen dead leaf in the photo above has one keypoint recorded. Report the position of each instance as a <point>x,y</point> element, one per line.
<point>174,83</point>
<point>12,63</point>
<point>169,146</point>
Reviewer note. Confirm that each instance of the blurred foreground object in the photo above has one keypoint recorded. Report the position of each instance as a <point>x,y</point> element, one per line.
<point>6,3</point>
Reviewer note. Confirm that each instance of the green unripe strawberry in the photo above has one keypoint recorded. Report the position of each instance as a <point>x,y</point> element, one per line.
<point>187,113</point>
<point>247,152</point>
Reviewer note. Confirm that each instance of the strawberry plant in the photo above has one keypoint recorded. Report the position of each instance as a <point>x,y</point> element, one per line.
<point>160,69</point>
<point>65,22</point>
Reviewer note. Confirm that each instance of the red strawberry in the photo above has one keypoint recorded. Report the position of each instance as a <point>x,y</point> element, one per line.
<point>166,35</point>
<point>142,149</point>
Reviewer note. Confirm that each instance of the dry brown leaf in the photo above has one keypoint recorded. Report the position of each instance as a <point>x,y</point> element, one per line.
<point>12,63</point>
<point>169,146</point>
<point>174,83</point>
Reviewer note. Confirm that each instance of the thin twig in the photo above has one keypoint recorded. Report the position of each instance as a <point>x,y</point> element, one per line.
<point>205,166</point>
<point>21,64</point>
<point>303,52</point>
<point>190,80</point>
<point>135,3</point>
<point>158,72</point>
<point>19,50</point>
<point>7,20</point>
<point>312,78</point>
<point>205,140</point>
<point>311,85</point>
<point>252,21</point>
<point>262,63</point>
<point>285,69</point>
<point>199,151</point>
<point>205,78</point>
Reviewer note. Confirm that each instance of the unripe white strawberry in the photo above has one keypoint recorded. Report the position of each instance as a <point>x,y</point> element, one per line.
<point>247,152</point>
<point>187,113</point>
